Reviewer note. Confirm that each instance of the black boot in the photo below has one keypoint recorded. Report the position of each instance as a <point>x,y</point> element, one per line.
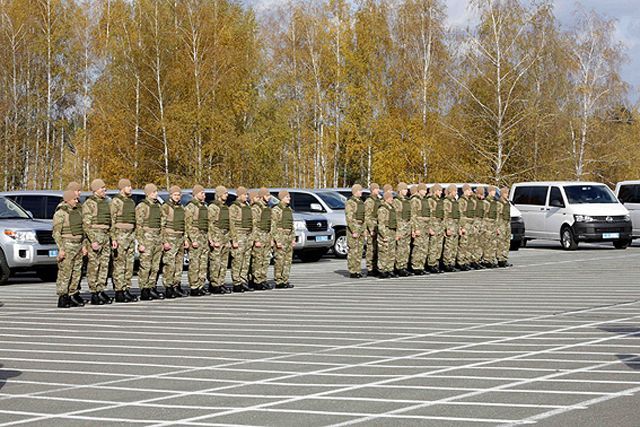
<point>179,292</point>
<point>145,294</point>
<point>77,300</point>
<point>120,297</point>
<point>354,276</point>
<point>156,294</point>
<point>170,294</point>
<point>219,290</point>
<point>106,298</point>
<point>247,288</point>
<point>238,288</point>
<point>96,299</point>
<point>129,297</point>
<point>63,301</point>
<point>197,292</point>
<point>418,272</point>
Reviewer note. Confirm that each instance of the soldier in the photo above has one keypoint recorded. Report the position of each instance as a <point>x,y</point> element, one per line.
<point>262,240</point>
<point>479,227</point>
<point>451,228</point>
<point>371,206</point>
<point>241,234</point>
<point>96,220</point>
<point>219,242</point>
<point>123,218</point>
<point>284,238</point>
<point>402,206</point>
<point>174,244</point>
<point>77,190</point>
<point>467,215</point>
<point>420,225</point>
<point>504,228</point>
<point>69,236</point>
<point>196,223</point>
<point>388,237</point>
<point>490,242</point>
<point>354,211</point>
<point>149,229</point>
<point>436,230</point>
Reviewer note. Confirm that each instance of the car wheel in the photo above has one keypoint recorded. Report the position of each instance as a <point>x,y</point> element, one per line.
<point>49,274</point>
<point>5,272</point>
<point>340,247</point>
<point>567,239</point>
<point>311,256</point>
<point>621,244</point>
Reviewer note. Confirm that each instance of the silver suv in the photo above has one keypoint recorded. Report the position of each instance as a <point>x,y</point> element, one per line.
<point>26,244</point>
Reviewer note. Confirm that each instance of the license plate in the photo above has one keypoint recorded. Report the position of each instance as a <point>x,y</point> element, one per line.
<point>610,235</point>
<point>322,238</point>
<point>53,253</point>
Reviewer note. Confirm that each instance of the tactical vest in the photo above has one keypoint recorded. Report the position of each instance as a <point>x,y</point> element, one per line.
<point>153,220</point>
<point>470,212</point>
<point>393,220</point>
<point>506,211</point>
<point>425,208</point>
<point>359,208</point>
<point>177,222</point>
<point>480,209</point>
<point>439,214</point>
<point>493,210</point>
<point>455,209</point>
<point>376,205</point>
<point>128,213</point>
<point>246,220</point>
<point>75,222</point>
<point>202,215</point>
<point>265,218</point>
<point>223,216</point>
<point>286,221</point>
<point>103,216</point>
<point>406,209</point>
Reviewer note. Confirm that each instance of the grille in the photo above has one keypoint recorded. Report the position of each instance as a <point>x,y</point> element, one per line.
<point>319,225</point>
<point>614,218</point>
<point>610,230</point>
<point>45,237</point>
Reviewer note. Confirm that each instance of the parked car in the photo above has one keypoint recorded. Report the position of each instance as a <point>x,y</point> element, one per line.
<point>41,204</point>
<point>572,212</point>
<point>628,193</point>
<point>26,244</point>
<point>346,192</point>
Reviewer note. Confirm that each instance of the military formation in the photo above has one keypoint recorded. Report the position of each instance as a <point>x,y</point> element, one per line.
<point>427,232</point>
<point>106,232</point>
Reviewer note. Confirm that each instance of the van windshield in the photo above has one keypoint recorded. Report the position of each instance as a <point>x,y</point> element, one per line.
<point>578,194</point>
<point>10,210</point>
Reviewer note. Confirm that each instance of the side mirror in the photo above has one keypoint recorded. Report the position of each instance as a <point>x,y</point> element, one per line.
<point>316,207</point>
<point>556,204</point>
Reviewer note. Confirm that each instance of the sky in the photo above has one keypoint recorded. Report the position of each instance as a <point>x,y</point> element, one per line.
<point>626,13</point>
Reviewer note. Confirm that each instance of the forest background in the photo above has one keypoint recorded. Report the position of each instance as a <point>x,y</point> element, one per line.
<point>310,93</point>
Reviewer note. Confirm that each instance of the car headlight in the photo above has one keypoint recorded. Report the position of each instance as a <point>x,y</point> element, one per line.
<point>22,236</point>
<point>583,218</point>
<point>299,225</point>
<point>627,218</point>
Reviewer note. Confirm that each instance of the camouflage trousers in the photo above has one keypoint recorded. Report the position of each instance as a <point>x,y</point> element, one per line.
<point>372,251</point>
<point>149,259</point>
<point>403,245</point>
<point>477,238</point>
<point>490,242</point>
<point>420,246</point>
<point>70,268</point>
<point>504,241</point>
<point>98,265</point>
<point>173,260</point>
<point>435,244</point>
<point>465,244</point>
<point>283,256</point>
<point>260,257</point>
<point>198,261</point>
<point>218,261</point>
<point>241,258</point>
<point>387,253</point>
<point>354,254</point>
<point>123,258</point>
<point>450,249</point>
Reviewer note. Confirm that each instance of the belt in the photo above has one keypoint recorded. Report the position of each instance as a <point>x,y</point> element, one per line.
<point>100,227</point>
<point>174,232</point>
<point>72,238</point>
<point>285,229</point>
<point>150,229</point>
<point>124,226</point>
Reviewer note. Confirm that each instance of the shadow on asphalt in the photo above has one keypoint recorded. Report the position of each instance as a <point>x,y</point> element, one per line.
<point>5,374</point>
<point>631,360</point>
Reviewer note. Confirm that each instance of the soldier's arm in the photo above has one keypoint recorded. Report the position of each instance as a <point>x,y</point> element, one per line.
<point>235,212</point>
<point>349,211</point>
<point>383,216</point>
<point>164,212</point>
<point>214,232</point>
<point>415,211</point>
<point>89,211</point>
<point>256,213</point>
<point>141,215</point>
<point>368,215</point>
<point>189,232</point>
<point>58,221</point>
<point>276,216</point>
<point>115,207</point>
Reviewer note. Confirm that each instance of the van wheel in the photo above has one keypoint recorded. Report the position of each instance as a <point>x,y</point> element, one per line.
<point>523,243</point>
<point>5,272</point>
<point>621,244</point>
<point>567,239</point>
<point>340,247</point>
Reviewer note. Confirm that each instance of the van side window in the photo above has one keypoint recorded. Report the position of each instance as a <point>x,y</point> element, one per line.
<point>302,201</point>
<point>531,195</point>
<point>556,196</point>
<point>629,194</point>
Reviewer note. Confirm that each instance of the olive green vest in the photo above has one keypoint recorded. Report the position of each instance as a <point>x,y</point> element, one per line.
<point>406,209</point>
<point>470,212</point>
<point>202,221</point>
<point>265,218</point>
<point>455,209</point>
<point>493,210</point>
<point>223,216</point>
<point>104,214</point>
<point>178,217</point>
<point>506,211</point>
<point>425,209</point>
<point>439,214</point>
<point>359,208</point>
<point>376,205</point>
<point>393,220</point>
<point>75,222</point>
<point>286,221</point>
<point>128,214</point>
<point>246,221</point>
<point>153,220</point>
<point>480,213</point>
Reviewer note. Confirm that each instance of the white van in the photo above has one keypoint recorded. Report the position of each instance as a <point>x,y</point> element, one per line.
<point>572,212</point>
<point>628,192</point>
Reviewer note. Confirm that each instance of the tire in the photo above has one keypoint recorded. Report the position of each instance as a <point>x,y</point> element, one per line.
<point>523,243</point>
<point>515,245</point>
<point>5,272</point>
<point>567,239</point>
<point>340,248</point>
<point>622,243</point>
<point>48,274</point>
<point>312,256</point>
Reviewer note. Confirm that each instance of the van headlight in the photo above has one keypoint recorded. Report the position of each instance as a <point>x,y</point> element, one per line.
<point>299,225</point>
<point>627,218</point>
<point>583,218</point>
<point>22,236</point>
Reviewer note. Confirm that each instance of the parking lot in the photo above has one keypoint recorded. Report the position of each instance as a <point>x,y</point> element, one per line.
<point>555,340</point>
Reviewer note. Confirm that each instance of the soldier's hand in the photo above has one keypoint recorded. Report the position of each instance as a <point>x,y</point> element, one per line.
<point>166,246</point>
<point>95,246</point>
<point>195,245</point>
<point>279,245</point>
<point>354,235</point>
<point>257,244</point>
<point>431,232</point>
<point>61,255</point>
<point>186,245</point>
<point>463,231</point>
<point>216,245</point>
<point>84,251</point>
<point>141,248</point>
<point>416,233</point>
<point>448,233</point>
<point>234,245</point>
<point>293,241</point>
<point>497,232</point>
<point>114,245</point>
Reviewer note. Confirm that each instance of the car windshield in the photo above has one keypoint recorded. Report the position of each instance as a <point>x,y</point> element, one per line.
<point>333,199</point>
<point>10,210</point>
<point>577,194</point>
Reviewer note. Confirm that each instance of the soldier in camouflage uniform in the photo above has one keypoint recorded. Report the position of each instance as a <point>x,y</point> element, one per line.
<point>69,235</point>
<point>387,237</point>
<point>196,221</point>
<point>479,227</point>
<point>77,190</point>
<point>219,242</point>
<point>436,229</point>
<point>149,230</point>
<point>451,228</point>
<point>284,238</point>
<point>241,234</point>
<point>174,244</point>
<point>262,240</point>
<point>420,223</point>
<point>354,212</point>
<point>467,215</point>
<point>123,218</point>
<point>504,228</point>
<point>402,205</point>
<point>96,220</point>
<point>371,206</point>
<point>490,242</point>
<point>252,199</point>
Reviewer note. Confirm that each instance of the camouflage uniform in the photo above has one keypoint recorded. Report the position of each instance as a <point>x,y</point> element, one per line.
<point>504,226</point>
<point>465,245</point>
<point>241,233</point>
<point>96,219</point>
<point>283,235</point>
<point>402,205</point>
<point>371,206</point>
<point>436,224</point>
<point>480,229</point>
<point>219,241</point>
<point>123,217</point>
<point>451,230</point>
<point>420,219</point>
<point>261,256</point>
<point>173,234</point>
<point>68,235</point>
<point>387,227</point>
<point>354,212</point>
<point>196,221</point>
<point>490,242</point>
<point>149,226</point>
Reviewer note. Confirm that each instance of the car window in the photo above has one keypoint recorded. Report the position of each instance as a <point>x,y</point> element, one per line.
<point>530,195</point>
<point>578,194</point>
<point>555,195</point>
<point>51,205</point>
<point>33,204</point>
<point>302,202</point>
<point>333,199</point>
<point>10,210</point>
<point>629,194</point>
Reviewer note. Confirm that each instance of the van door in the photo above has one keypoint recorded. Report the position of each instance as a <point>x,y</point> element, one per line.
<point>629,196</point>
<point>531,201</point>
<point>555,214</point>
